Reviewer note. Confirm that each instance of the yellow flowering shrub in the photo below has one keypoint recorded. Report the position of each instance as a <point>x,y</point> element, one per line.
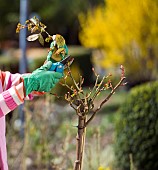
<point>127,32</point>
<point>103,168</point>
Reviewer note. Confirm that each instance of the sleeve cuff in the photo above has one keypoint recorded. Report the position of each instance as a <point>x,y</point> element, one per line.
<point>12,98</point>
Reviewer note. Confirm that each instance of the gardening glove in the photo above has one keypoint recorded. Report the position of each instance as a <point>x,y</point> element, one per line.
<point>58,49</point>
<point>41,80</point>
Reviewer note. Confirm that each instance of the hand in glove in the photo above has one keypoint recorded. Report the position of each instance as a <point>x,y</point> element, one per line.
<point>41,80</point>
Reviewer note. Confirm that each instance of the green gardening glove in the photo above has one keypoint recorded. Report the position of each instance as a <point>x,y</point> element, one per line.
<point>41,79</point>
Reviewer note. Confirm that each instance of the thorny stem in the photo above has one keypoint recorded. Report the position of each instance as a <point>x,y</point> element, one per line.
<point>66,86</point>
<point>71,104</point>
<point>98,89</point>
<point>73,79</point>
<point>47,33</point>
<point>96,82</point>
<point>81,82</point>
<point>85,104</point>
<point>81,135</point>
<point>101,83</point>
<point>105,100</point>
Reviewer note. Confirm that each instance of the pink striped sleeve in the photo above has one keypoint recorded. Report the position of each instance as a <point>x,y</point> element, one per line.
<point>1,113</point>
<point>10,80</point>
<point>11,92</point>
<point>9,100</point>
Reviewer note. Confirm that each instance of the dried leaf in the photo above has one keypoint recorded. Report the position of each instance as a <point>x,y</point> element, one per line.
<point>34,29</point>
<point>27,21</point>
<point>33,37</point>
<point>49,38</point>
<point>42,25</point>
<point>60,50</point>
<point>34,20</point>
<point>41,39</point>
<point>17,30</point>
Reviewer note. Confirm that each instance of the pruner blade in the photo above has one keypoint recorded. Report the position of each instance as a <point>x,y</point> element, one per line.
<point>67,61</point>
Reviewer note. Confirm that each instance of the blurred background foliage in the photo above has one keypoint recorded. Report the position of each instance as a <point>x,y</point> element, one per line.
<point>117,33</point>
<point>60,16</point>
<point>127,33</point>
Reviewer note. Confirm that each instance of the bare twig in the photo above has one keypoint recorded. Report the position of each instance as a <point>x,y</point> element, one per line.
<point>74,81</point>
<point>71,104</point>
<point>98,87</point>
<point>105,100</point>
<point>96,81</point>
<point>83,105</point>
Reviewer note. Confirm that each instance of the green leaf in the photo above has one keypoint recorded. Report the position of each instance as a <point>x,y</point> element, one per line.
<point>41,39</point>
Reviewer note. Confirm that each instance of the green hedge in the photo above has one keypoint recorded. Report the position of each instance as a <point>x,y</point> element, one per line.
<point>137,129</point>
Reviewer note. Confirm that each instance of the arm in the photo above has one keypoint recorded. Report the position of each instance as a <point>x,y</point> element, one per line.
<point>14,87</point>
<point>11,92</point>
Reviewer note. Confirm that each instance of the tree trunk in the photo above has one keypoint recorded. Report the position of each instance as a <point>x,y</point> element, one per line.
<point>80,139</point>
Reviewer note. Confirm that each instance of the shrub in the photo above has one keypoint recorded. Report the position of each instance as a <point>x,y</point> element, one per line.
<point>137,129</point>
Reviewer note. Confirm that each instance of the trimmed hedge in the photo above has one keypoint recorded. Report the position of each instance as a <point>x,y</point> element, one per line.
<point>137,129</point>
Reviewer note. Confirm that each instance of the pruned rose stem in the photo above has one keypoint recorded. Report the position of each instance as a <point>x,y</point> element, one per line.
<point>82,124</point>
<point>83,104</point>
<point>105,100</point>
<point>80,142</point>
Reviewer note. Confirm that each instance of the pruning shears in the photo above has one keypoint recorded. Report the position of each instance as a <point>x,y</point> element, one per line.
<point>62,65</point>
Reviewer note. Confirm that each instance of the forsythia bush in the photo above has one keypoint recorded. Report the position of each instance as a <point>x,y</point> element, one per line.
<point>137,129</point>
<point>103,168</point>
<point>127,33</point>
